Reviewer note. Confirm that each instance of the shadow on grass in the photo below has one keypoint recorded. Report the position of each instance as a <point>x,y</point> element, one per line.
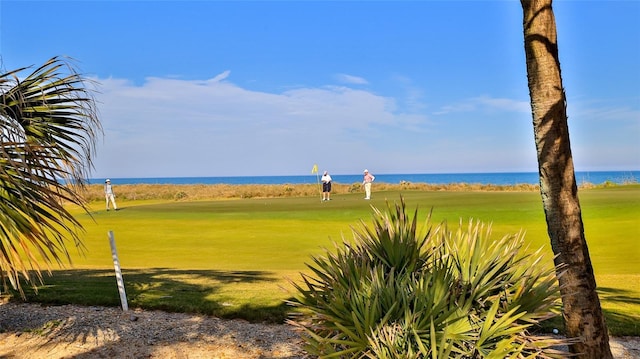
<point>617,295</point>
<point>621,323</point>
<point>245,295</point>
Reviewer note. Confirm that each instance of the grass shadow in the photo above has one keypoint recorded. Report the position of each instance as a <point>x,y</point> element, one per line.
<point>622,319</point>
<point>224,294</point>
<point>621,322</point>
<point>617,295</point>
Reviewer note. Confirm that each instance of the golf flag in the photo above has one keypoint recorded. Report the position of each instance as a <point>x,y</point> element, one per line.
<point>314,169</point>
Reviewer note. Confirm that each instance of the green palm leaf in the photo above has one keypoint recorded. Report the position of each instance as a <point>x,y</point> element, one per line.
<point>49,127</point>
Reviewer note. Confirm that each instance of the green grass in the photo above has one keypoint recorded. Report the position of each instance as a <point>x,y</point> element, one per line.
<point>232,258</point>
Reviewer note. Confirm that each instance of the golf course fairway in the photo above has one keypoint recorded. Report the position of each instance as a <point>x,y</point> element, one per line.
<point>235,257</point>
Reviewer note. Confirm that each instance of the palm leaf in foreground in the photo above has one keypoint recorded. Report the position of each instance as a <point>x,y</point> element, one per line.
<point>49,126</point>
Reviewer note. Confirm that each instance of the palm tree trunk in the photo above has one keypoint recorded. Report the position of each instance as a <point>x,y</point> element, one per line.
<point>582,312</point>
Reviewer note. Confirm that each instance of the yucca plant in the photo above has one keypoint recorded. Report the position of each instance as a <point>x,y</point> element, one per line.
<point>398,292</point>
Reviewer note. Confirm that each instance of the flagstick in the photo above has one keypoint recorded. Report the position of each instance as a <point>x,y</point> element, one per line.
<point>315,170</point>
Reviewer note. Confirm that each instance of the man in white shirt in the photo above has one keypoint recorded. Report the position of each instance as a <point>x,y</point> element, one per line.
<point>108,194</point>
<point>326,186</point>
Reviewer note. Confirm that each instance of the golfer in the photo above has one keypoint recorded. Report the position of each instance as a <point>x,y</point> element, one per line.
<point>366,182</point>
<point>326,186</point>
<point>108,194</point>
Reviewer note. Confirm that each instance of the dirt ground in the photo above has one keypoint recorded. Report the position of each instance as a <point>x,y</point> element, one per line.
<point>35,331</point>
<point>55,332</point>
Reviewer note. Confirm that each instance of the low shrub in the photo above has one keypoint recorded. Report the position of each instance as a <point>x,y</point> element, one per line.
<point>196,192</point>
<point>397,292</point>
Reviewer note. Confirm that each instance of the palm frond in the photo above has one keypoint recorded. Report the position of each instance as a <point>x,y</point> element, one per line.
<point>47,140</point>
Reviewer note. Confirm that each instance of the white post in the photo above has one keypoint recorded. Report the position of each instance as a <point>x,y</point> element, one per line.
<point>116,264</point>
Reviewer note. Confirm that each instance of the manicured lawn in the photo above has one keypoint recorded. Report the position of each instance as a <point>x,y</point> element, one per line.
<point>232,257</point>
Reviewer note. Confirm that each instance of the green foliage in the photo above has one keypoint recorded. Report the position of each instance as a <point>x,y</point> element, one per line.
<point>397,292</point>
<point>48,127</point>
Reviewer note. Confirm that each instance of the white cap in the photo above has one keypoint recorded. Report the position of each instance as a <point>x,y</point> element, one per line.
<point>108,180</point>
<point>365,171</point>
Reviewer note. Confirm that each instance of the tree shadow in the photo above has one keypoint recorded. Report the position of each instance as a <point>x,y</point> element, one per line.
<point>108,332</point>
<point>620,323</point>
<point>184,292</point>
<point>618,295</point>
<point>167,289</point>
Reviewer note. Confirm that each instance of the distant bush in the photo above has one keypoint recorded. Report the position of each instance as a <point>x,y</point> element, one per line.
<point>181,195</point>
<point>396,292</point>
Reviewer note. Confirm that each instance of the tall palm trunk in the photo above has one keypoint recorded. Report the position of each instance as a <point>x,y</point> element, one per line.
<point>582,312</point>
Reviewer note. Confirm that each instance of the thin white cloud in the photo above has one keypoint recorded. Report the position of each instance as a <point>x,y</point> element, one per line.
<point>486,103</point>
<point>218,128</point>
<point>221,76</point>
<point>170,127</point>
<point>604,134</point>
<point>350,79</point>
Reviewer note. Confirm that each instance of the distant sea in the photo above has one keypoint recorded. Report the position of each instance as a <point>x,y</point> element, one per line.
<point>498,178</point>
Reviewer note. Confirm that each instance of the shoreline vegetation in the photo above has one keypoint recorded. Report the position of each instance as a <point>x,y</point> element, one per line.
<point>197,192</point>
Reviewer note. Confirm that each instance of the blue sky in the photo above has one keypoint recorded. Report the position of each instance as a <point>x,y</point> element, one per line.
<point>214,88</point>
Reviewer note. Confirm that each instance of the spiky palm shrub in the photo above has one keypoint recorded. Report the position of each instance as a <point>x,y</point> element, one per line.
<point>396,292</point>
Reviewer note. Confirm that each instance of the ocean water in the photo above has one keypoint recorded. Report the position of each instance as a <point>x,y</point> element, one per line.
<point>498,178</point>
